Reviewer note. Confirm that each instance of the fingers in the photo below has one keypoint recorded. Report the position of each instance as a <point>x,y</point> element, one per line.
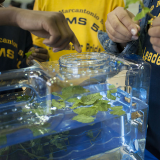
<point>39,54</point>
<point>120,26</point>
<point>63,33</point>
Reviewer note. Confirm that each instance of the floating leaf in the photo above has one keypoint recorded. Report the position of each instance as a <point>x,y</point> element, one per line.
<point>58,104</point>
<point>112,88</point>
<point>72,100</point>
<point>88,111</point>
<point>117,112</point>
<point>76,104</point>
<point>142,14</point>
<point>110,96</point>
<point>3,139</point>
<point>70,91</point>
<point>116,108</point>
<point>91,98</point>
<point>102,105</point>
<point>83,118</point>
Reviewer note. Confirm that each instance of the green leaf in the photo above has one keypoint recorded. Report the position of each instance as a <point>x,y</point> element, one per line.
<point>91,98</point>
<point>23,98</point>
<point>39,111</point>
<point>112,88</point>
<point>110,96</point>
<point>116,108</point>
<point>83,118</point>
<point>102,105</point>
<point>28,53</point>
<point>90,134</point>
<point>76,104</point>
<point>70,91</point>
<point>87,111</point>
<point>41,129</point>
<point>3,139</point>
<point>118,112</point>
<point>128,2</point>
<point>142,14</point>
<point>58,104</point>
<point>72,100</point>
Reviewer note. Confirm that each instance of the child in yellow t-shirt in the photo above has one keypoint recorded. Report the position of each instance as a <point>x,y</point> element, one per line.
<point>85,18</point>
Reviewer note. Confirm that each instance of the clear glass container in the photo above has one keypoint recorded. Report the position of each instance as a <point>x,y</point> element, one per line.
<point>88,106</point>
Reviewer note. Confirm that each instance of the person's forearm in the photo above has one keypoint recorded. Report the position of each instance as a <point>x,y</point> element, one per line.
<point>8,16</point>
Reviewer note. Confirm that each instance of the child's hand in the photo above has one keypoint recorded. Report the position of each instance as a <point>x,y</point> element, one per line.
<point>49,25</point>
<point>38,54</point>
<point>120,26</point>
<point>154,33</point>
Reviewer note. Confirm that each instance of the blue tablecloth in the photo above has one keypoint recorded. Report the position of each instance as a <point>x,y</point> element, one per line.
<point>149,156</point>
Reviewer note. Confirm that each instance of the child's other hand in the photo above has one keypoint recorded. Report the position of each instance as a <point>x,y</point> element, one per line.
<point>39,54</point>
<point>121,27</point>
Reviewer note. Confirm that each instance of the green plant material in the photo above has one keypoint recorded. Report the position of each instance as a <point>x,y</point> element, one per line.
<point>119,62</point>
<point>91,98</point>
<point>29,53</point>
<point>73,100</point>
<point>87,111</point>
<point>70,91</point>
<point>39,111</point>
<point>41,129</point>
<point>117,110</point>
<point>83,118</point>
<point>76,104</point>
<point>110,96</point>
<point>150,21</point>
<point>3,150</point>
<point>112,88</point>
<point>32,155</point>
<point>90,134</point>
<point>23,98</point>
<point>3,139</point>
<point>128,2</point>
<point>58,104</point>
<point>142,14</point>
<point>102,105</point>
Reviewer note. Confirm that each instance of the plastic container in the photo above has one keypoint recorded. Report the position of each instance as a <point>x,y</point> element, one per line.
<point>90,106</point>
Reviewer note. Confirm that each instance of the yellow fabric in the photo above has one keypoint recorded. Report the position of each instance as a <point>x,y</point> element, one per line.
<point>85,18</point>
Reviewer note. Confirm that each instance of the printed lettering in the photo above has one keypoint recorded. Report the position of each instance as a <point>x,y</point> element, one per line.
<point>20,53</point>
<point>154,58</point>
<point>10,54</point>
<point>74,19</point>
<point>158,61</point>
<point>18,64</point>
<point>149,57</point>
<point>3,51</point>
<point>158,3</point>
<point>95,27</point>
<point>82,21</point>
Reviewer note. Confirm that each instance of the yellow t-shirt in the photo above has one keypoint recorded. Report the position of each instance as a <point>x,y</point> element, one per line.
<point>85,18</point>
